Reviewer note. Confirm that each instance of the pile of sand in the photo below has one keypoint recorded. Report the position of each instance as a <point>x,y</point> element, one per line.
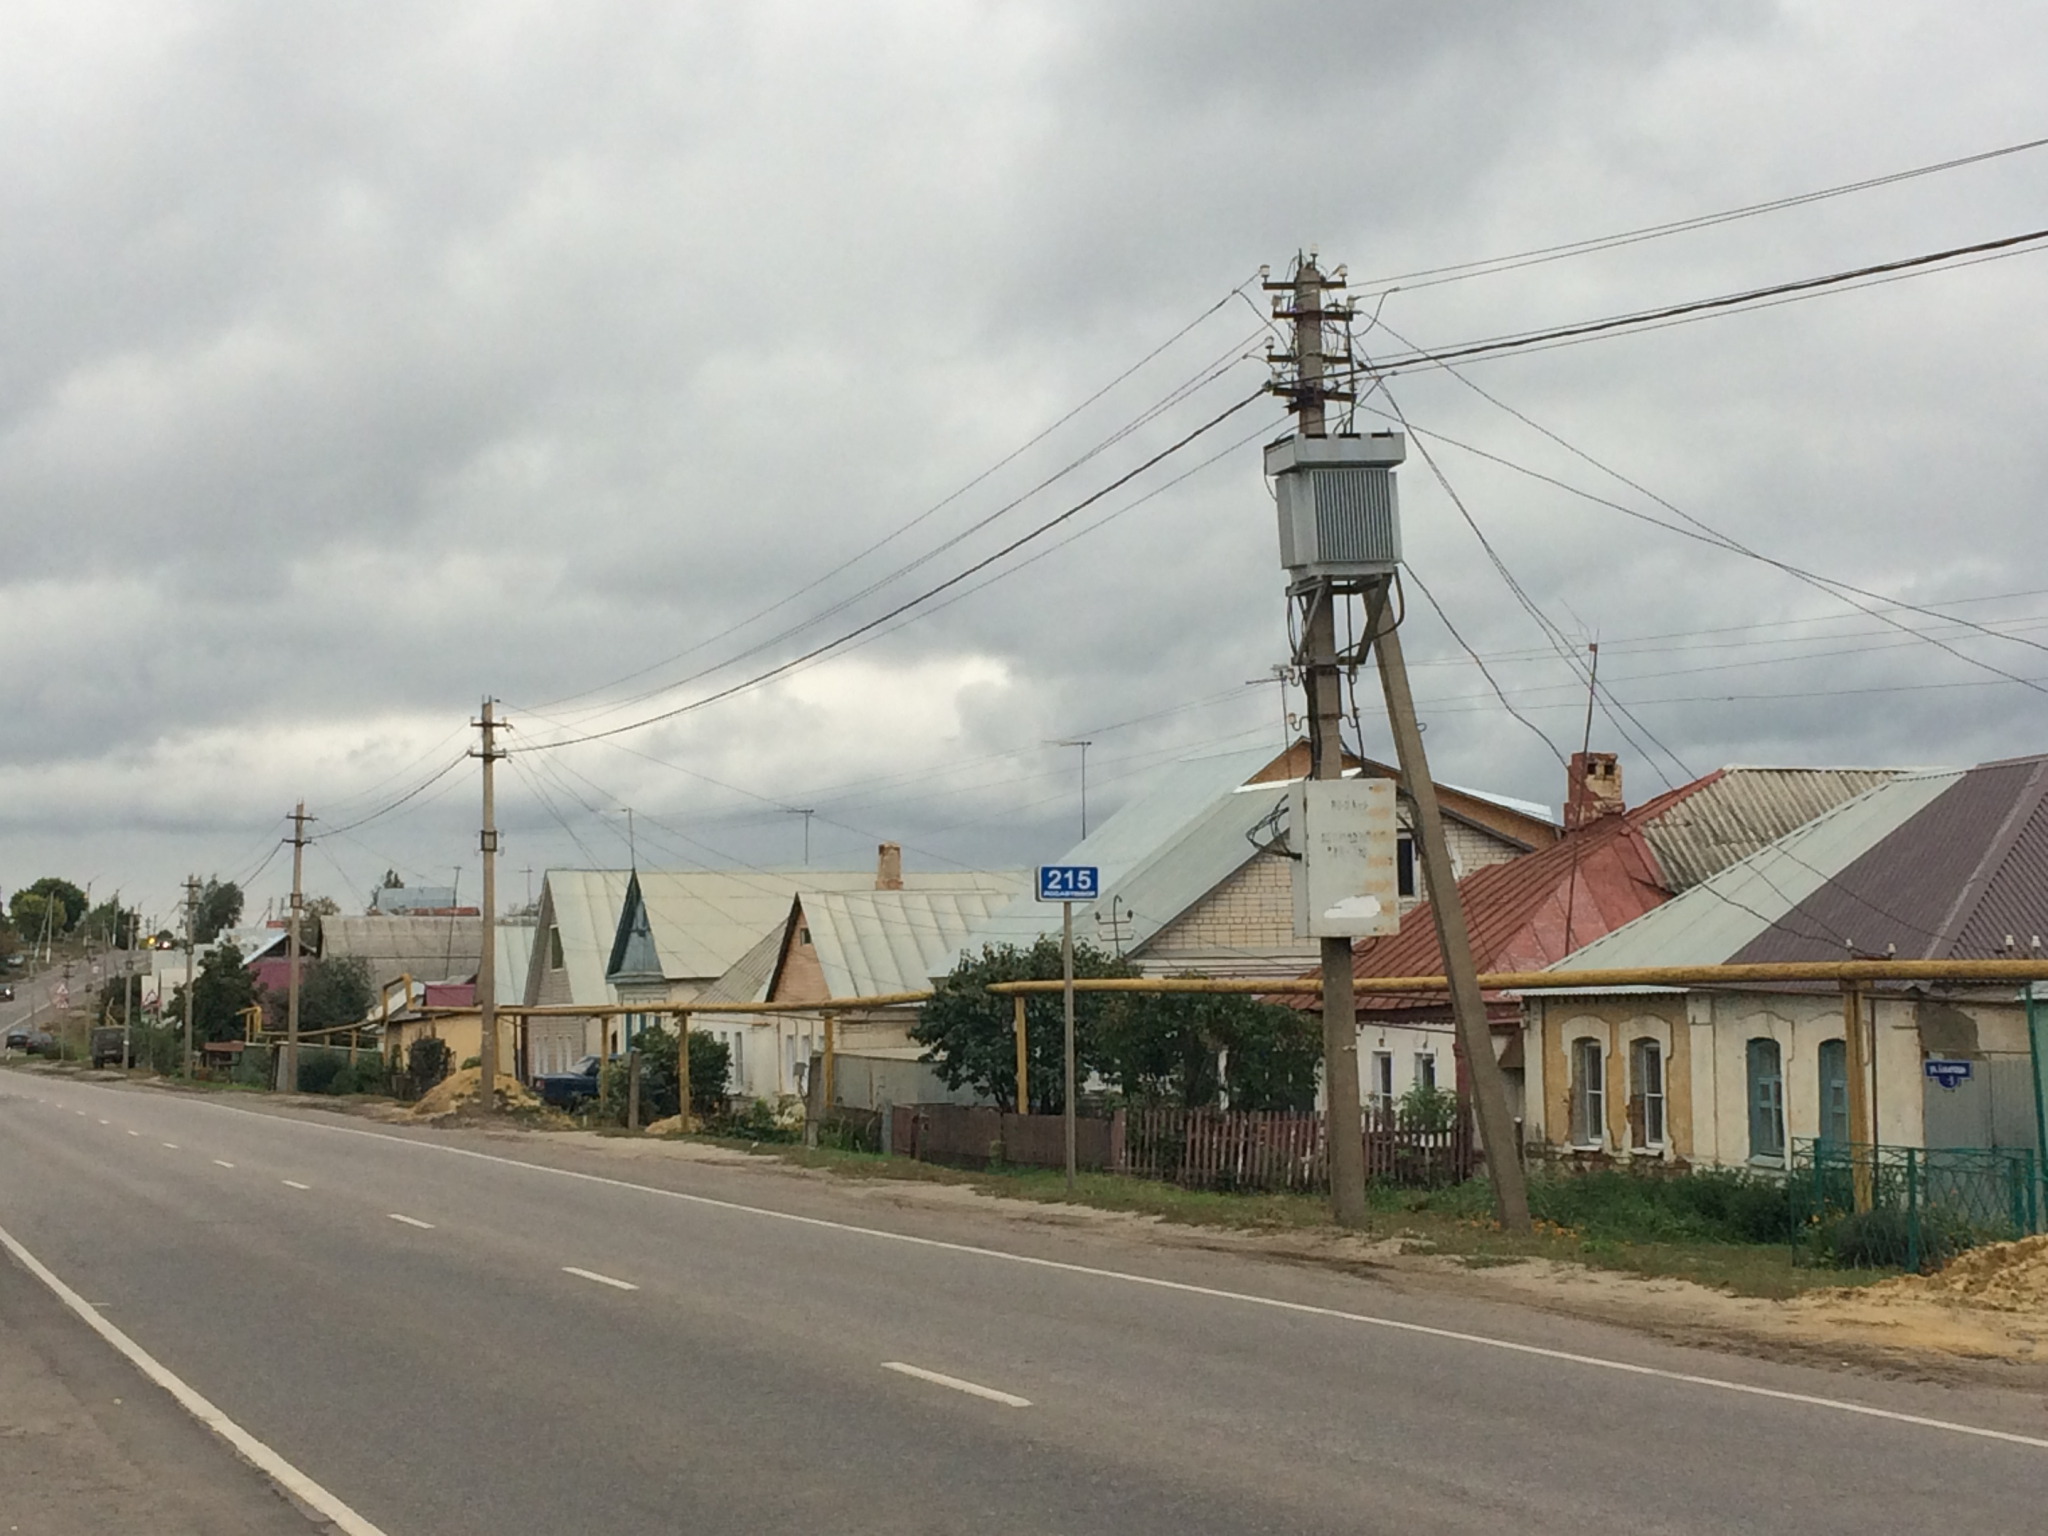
<point>2001,1277</point>
<point>459,1092</point>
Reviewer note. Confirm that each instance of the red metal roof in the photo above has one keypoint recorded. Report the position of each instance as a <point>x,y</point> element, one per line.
<point>1528,912</point>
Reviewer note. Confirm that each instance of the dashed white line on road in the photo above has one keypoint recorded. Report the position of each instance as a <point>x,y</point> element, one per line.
<point>220,1162</point>
<point>971,1388</point>
<point>591,1274</point>
<point>135,1133</point>
<point>295,1184</point>
<point>106,1122</point>
<point>410,1221</point>
<point>172,1145</point>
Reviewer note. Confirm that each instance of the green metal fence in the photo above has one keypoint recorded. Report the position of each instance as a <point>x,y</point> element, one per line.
<point>1923,1204</point>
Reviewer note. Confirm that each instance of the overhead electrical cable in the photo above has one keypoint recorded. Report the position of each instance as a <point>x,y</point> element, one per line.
<point>962,490</point>
<point>410,794</point>
<point>1391,367</point>
<point>950,582</point>
<point>1430,277</point>
<point>1409,574</point>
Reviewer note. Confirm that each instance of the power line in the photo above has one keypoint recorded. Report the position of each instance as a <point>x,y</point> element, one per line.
<point>904,607</point>
<point>414,792</point>
<point>1540,255</point>
<point>1445,619</point>
<point>1650,318</point>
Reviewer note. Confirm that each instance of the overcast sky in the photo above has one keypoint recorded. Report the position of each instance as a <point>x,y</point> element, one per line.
<point>361,360</point>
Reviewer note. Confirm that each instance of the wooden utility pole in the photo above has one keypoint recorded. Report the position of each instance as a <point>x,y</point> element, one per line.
<point>1308,394</point>
<point>487,957</point>
<point>191,927</point>
<point>1861,1132</point>
<point>1023,1059</point>
<point>291,1007</point>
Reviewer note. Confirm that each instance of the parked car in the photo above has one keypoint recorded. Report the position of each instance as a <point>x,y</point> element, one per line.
<point>109,1045</point>
<point>565,1090</point>
<point>6,992</point>
<point>36,1042</point>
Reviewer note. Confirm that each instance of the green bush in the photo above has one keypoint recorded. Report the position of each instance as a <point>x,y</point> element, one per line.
<point>1719,1205</point>
<point>1880,1239</point>
<point>757,1121</point>
<point>427,1062</point>
<point>318,1069</point>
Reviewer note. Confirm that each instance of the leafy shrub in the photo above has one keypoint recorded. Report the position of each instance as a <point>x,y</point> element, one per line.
<point>427,1062</point>
<point>1424,1108</point>
<point>1719,1205</point>
<point>757,1121</point>
<point>318,1070</point>
<point>1878,1238</point>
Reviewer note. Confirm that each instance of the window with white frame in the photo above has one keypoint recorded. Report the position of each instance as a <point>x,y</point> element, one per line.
<point>1383,1080</point>
<point>1425,1069</point>
<point>1589,1093</point>
<point>1646,1094</point>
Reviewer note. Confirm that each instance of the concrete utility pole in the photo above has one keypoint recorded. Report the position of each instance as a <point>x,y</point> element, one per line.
<point>1316,593</point>
<point>291,1008</point>
<point>1322,682</point>
<point>487,958</point>
<point>191,927</point>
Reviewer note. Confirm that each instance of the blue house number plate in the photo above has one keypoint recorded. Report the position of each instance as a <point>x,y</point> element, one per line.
<point>1068,882</point>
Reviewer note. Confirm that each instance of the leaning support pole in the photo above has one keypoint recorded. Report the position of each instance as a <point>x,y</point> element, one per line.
<point>1468,1008</point>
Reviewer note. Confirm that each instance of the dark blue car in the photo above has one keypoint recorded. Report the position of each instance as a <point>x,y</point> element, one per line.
<point>565,1090</point>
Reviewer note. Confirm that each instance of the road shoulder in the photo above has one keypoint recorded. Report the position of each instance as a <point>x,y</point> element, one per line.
<point>90,1448</point>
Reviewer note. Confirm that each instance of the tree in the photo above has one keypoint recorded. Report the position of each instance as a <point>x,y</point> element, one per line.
<point>1189,1049</point>
<point>220,908</point>
<point>220,992</point>
<point>113,925</point>
<point>61,901</point>
<point>333,990</point>
<point>323,906</point>
<point>710,1064</point>
<point>968,1033</point>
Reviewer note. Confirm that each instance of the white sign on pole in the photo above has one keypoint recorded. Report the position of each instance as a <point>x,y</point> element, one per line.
<point>1345,882</point>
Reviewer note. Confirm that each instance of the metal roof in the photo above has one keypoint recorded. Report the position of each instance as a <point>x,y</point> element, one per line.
<point>1736,811</point>
<point>1950,884</point>
<point>1718,917</point>
<point>873,942</point>
<point>582,906</point>
<point>1159,854</point>
<point>746,979</point>
<point>513,954</point>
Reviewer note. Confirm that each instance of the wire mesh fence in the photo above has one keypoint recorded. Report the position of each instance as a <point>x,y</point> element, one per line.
<point>1913,1207</point>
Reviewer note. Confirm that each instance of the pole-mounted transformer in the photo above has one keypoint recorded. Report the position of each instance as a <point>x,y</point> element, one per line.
<point>1340,505</point>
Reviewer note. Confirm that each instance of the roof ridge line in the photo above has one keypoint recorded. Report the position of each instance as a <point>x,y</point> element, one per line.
<point>2017,815</point>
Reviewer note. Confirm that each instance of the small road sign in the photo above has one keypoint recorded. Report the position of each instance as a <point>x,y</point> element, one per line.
<point>1068,882</point>
<point>1948,1073</point>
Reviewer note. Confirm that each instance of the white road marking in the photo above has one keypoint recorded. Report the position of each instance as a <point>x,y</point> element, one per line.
<point>410,1221</point>
<point>591,1274</point>
<point>295,1184</point>
<point>1247,1298</point>
<point>79,1112</point>
<point>1007,1399</point>
<point>246,1445</point>
<point>172,1145</point>
<point>221,1162</point>
<point>135,1133</point>
<point>106,1122</point>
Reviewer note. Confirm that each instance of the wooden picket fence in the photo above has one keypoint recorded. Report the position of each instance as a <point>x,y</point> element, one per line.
<point>1258,1150</point>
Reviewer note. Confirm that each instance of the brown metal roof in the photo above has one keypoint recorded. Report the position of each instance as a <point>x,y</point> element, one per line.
<point>1950,883</point>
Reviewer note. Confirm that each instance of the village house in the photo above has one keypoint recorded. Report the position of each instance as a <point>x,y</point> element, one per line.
<point>1935,865</point>
<point>1611,865</point>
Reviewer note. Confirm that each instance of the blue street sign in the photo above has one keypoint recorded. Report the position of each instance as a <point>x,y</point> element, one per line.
<point>1949,1074</point>
<point>1068,882</point>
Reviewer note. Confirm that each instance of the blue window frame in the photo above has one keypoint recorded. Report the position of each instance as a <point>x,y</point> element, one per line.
<point>1766,1101</point>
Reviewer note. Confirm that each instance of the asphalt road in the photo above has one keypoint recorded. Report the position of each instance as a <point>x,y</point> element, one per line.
<point>446,1341</point>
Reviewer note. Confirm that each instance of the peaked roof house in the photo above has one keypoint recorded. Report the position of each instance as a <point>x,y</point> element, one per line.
<point>1610,866</point>
<point>835,942</point>
<point>1195,872</point>
<point>1935,864</point>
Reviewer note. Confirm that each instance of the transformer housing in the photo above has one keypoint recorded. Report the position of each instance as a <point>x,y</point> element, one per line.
<point>1340,511</point>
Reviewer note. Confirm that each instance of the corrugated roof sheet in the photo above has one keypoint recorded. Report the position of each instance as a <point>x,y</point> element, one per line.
<point>426,948</point>
<point>874,942</point>
<point>1159,854</point>
<point>583,905</point>
<point>1528,912</point>
<point>1921,888</point>
<point>1738,810</point>
<point>1718,917</point>
<point>746,979</point>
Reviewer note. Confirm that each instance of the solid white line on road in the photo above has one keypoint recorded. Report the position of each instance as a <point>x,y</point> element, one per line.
<point>246,1445</point>
<point>1247,1298</point>
<point>591,1274</point>
<point>410,1221</point>
<point>295,1184</point>
<point>221,1162</point>
<point>1007,1399</point>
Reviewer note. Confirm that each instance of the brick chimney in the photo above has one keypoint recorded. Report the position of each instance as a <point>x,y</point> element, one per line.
<point>1592,790</point>
<point>889,867</point>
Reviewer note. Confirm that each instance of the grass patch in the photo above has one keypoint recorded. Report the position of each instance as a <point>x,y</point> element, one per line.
<point>1695,1227</point>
